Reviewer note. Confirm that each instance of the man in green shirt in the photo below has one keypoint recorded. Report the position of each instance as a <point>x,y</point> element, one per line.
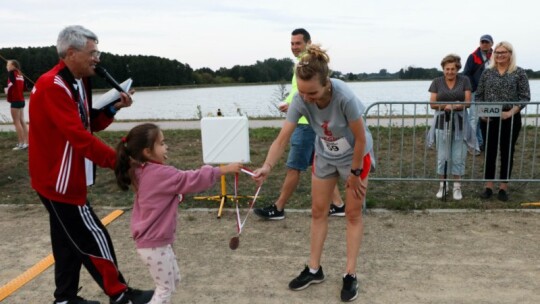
<point>301,150</point>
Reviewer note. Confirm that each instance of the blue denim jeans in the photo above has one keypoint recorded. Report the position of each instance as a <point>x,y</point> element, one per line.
<point>457,156</point>
<point>475,122</point>
<point>302,147</point>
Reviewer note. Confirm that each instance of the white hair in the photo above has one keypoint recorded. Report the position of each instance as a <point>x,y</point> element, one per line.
<point>74,36</point>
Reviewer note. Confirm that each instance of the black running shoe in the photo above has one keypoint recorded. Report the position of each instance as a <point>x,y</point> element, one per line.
<point>486,194</point>
<point>270,213</point>
<point>349,292</point>
<point>336,211</point>
<point>78,300</point>
<point>306,278</point>
<point>134,296</point>
<point>502,196</point>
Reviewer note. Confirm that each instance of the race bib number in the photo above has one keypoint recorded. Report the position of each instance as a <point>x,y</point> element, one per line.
<point>336,147</point>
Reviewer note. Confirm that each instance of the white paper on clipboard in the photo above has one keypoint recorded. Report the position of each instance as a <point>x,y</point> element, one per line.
<point>111,95</point>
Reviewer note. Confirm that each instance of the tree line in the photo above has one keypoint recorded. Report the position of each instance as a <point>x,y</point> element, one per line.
<point>153,71</point>
<point>409,73</point>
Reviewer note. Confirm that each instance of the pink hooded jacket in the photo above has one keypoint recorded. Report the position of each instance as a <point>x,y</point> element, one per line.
<point>153,221</point>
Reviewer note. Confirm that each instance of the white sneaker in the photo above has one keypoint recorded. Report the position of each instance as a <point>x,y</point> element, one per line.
<point>440,192</point>
<point>20,147</point>
<point>457,194</point>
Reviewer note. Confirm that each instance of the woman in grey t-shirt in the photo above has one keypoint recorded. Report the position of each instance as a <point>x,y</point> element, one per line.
<point>343,146</point>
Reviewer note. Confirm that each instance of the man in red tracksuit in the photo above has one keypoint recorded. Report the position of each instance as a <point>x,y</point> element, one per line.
<point>62,155</point>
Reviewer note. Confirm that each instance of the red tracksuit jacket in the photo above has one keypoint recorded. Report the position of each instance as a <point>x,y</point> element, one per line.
<point>59,141</point>
<point>15,91</point>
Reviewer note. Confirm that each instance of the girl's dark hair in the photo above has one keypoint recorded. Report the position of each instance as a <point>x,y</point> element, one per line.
<point>129,151</point>
<point>313,62</point>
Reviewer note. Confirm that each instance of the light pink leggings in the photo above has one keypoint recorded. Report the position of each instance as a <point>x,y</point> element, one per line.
<point>161,261</point>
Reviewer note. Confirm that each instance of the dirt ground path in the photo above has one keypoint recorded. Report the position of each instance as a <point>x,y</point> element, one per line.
<point>468,257</point>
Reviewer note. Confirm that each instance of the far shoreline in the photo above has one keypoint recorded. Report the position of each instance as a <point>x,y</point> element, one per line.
<point>221,85</point>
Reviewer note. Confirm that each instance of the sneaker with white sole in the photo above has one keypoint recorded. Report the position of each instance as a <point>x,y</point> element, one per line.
<point>336,211</point>
<point>441,190</point>
<point>349,292</point>
<point>77,300</point>
<point>270,213</point>
<point>457,194</point>
<point>20,147</point>
<point>306,278</point>
<point>134,296</point>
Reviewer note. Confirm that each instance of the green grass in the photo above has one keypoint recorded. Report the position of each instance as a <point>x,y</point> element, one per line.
<point>185,153</point>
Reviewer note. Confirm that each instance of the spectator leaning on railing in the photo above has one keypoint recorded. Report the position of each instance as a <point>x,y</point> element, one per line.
<point>452,134</point>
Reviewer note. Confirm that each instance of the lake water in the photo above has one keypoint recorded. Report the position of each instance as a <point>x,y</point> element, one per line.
<point>258,100</point>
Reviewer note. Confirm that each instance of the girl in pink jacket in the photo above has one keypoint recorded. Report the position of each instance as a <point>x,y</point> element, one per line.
<point>159,189</point>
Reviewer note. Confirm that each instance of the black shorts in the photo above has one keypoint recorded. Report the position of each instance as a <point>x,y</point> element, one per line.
<point>17,104</point>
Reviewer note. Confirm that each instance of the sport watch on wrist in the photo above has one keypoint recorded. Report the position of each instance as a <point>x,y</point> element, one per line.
<point>356,172</point>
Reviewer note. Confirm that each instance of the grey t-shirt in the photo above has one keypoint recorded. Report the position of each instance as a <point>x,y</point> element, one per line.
<point>334,140</point>
<point>444,93</point>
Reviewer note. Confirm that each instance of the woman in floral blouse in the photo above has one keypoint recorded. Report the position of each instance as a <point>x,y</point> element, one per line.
<point>503,82</point>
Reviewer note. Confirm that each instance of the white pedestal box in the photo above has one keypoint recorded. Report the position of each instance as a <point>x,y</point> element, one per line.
<point>225,140</point>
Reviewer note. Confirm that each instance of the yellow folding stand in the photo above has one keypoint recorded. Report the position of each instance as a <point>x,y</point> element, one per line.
<point>223,197</point>
<point>224,140</point>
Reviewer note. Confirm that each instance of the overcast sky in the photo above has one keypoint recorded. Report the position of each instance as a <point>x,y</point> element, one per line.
<point>360,35</point>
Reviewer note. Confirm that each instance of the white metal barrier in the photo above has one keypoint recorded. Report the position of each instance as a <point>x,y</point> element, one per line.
<point>399,132</point>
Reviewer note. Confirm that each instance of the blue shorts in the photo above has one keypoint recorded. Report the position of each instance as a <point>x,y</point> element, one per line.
<point>302,146</point>
<point>17,104</point>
